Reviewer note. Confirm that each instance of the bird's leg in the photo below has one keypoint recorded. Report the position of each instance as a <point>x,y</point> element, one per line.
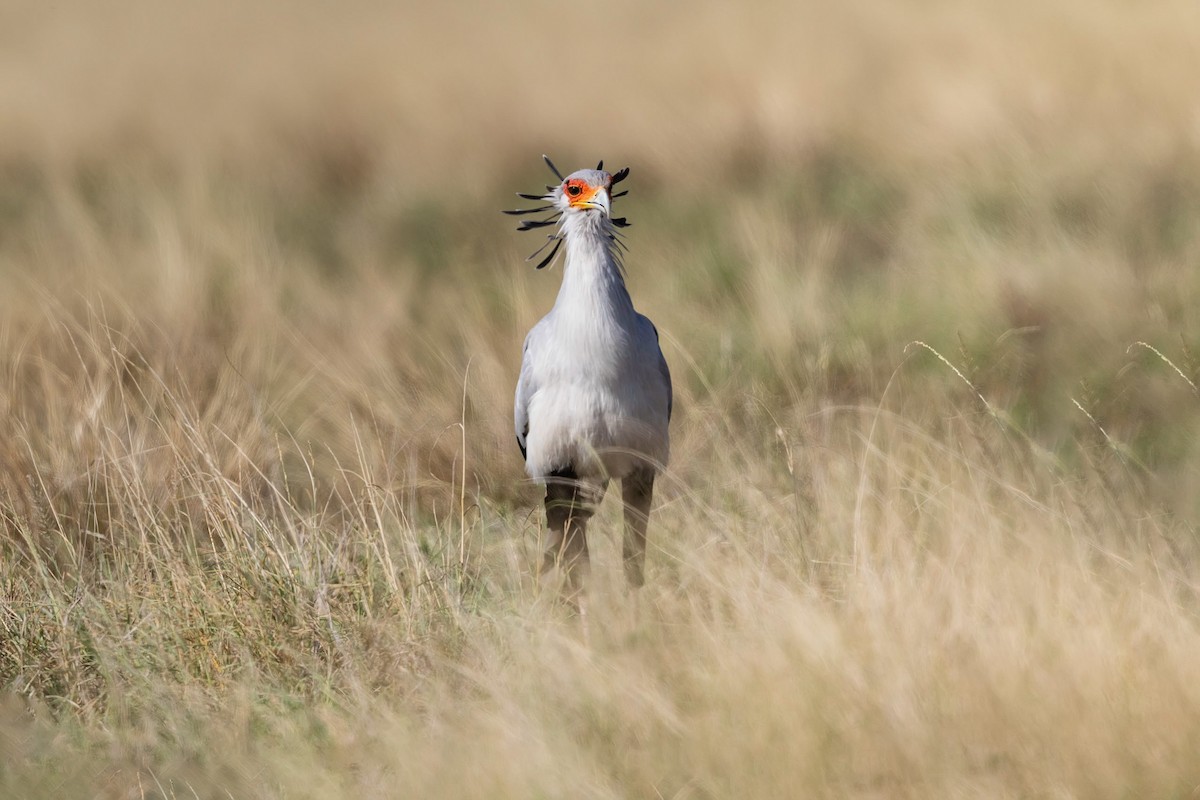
<point>560,493</point>
<point>637,491</point>
<point>573,560</point>
<point>577,567</point>
<point>582,606</point>
<point>567,511</point>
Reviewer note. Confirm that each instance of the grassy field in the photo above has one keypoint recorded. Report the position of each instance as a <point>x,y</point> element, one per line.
<point>927,278</point>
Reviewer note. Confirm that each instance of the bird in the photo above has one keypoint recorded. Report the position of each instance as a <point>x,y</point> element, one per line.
<point>594,397</point>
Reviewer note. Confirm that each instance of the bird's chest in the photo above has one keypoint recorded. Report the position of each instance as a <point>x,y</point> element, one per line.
<point>593,383</point>
<point>597,356</point>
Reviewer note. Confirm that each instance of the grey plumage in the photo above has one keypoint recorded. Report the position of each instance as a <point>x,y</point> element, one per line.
<point>594,397</point>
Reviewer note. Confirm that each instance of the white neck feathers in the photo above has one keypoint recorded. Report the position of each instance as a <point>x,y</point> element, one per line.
<point>592,277</point>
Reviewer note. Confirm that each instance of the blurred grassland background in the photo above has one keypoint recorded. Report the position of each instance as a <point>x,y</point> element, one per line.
<point>264,530</point>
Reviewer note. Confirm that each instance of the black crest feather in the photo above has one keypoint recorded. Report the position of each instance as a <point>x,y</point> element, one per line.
<point>530,224</point>
<point>553,253</point>
<point>518,211</point>
<point>553,168</point>
<point>554,240</point>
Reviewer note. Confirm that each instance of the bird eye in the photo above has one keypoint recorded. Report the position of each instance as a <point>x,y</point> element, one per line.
<point>573,190</point>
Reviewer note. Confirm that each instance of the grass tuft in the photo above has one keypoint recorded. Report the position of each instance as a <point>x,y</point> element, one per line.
<point>264,531</point>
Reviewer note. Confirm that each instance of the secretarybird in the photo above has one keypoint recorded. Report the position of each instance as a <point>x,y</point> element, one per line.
<point>594,397</point>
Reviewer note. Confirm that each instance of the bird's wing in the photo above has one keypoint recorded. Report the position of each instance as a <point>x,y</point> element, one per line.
<point>666,373</point>
<point>663,369</point>
<point>525,388</point>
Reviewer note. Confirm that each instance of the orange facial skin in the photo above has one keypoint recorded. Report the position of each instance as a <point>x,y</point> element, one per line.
<point>579,192</point>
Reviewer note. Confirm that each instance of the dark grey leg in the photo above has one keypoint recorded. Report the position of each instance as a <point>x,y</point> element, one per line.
<point>637,490</point>
<point>569,505</point>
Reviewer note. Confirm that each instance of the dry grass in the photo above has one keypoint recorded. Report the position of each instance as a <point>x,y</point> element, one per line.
<point>263,528</point>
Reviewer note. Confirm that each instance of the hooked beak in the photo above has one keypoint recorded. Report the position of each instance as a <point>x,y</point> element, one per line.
<point>600,200</point>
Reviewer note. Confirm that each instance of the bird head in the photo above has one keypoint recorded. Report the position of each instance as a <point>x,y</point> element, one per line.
<point>585,191</point>
<point>585,194</point>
